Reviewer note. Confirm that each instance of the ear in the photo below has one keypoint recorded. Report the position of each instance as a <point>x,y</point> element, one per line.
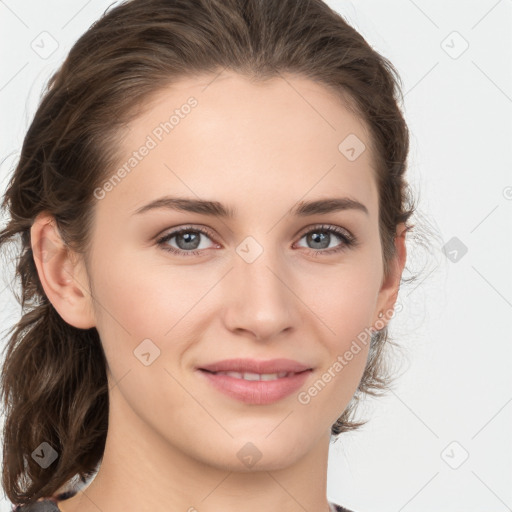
<point>390,286</point>
<point>62,273</point>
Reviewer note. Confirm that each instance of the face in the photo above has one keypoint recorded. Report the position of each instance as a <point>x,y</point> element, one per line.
<point>177,290</point>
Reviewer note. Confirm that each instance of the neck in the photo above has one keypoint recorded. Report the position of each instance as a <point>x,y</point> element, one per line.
<point>141,470</point>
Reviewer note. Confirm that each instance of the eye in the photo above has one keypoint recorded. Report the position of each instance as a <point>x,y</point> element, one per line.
<point>188,240</point>
<point>321,236</point>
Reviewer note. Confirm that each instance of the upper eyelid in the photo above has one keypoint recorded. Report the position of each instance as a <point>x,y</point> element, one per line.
<point>325,226</point>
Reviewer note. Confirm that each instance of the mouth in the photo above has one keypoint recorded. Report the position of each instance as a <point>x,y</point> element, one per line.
<point>255,376</point>
<point>255,388</point>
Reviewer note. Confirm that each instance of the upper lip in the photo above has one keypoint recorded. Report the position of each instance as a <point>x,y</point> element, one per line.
<point>256,366</point>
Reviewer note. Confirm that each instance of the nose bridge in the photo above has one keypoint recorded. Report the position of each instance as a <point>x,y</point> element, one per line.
<point>260,267</point>
<point>260,300</point>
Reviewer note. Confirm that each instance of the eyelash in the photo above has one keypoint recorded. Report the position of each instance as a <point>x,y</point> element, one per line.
<point>348,240</point>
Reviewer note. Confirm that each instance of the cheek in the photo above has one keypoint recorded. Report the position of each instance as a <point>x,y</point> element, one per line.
<point>136,313</point>
<point>328,394</point>
<point>137,300</point>
<point>346,308</point>
<point>345,299</point>
<point>145,298</point>
<point>349,315</point>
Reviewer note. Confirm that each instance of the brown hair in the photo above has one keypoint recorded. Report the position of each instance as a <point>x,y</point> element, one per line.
<point>54,381</point>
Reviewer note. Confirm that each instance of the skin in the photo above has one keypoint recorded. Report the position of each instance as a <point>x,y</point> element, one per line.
<point>173,440</point>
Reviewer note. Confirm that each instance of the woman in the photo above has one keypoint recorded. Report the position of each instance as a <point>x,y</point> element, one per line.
<point>212,210</point>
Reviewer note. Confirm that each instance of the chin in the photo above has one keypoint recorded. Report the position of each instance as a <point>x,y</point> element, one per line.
<point>260,452</point>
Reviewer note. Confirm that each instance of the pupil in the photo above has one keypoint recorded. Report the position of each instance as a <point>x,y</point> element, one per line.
<point>190,243</point>
<point>320,238</point>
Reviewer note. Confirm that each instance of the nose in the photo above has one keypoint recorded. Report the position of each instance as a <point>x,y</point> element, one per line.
<point>259,299</point>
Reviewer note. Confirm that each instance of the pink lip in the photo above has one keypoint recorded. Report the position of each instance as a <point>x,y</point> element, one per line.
<point>256,392</point>
<point>256,366</point>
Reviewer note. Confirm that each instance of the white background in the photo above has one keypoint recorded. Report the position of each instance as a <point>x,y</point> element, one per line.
<point>455,389</point>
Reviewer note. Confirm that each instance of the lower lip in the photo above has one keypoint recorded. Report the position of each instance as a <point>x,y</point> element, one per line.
<point>258,392</point>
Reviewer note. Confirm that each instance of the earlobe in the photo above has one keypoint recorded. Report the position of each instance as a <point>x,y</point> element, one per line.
<point>62,273</point>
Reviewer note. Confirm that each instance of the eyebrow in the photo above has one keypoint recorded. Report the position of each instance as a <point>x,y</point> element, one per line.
<point>216,209</point>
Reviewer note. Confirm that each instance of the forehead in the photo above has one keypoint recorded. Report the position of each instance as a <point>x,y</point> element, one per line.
<point>226,136</point>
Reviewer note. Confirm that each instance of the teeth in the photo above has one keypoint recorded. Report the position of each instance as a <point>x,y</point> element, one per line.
<point>255,376</point>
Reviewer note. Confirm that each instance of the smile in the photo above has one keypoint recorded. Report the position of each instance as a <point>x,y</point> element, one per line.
<point>255,388</point>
